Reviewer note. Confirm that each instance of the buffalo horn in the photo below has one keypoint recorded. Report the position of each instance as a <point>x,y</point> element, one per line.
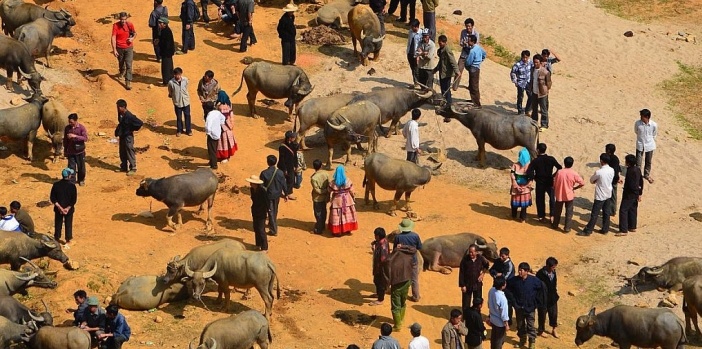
<point>361,35</point>
<point>479,245</point>
<point>297,81</point>
<point>188,272</point>
<point>306,92</point>
<point>379,39</point>
<point>45,306</point>
<point>65,12</point>
<point>654,271</point>
<point>46,7</point>
<point>30,262</point>
<point>336,127</point>
<point>425,95</point>
<point>48,244</point>
<point>214,344</point>
<point>210,273</point>
<point>453,109</point>
<point>190,345</point>
<point>36,318</point>
<point>26,76</point>
<point>493,240</point>
<point>29,277</point>
<point>50,19</point>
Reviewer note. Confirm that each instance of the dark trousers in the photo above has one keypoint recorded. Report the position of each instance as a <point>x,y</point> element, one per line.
<point>536,104</point>
<point>212,152</point>
<point>644,156</point>
<point>289,182</point>
<point>77,163</point>
<point>59,220</point>
<point>497,337</point>
<point>541,191</point>
<point>320,216</point>
<point>613,199</point>
<point>114,342</point>
<point>166,69</point>
<point>552,312</point>
<point>525,325</point>
<point>522,213</point>
<point>180,112</point>
<point>596,208</point>
<point>380,286</point>
<point>445,85</point>
<point>155,33</point>
<point>127,156</point>
<point>468,295</point>
<point>412,60</point>
<point>474,85</point>
<point>430,22</point>
<point>415,280</point>
<point>412,157</point>
<point>403,9</point>
<point>203,4</point>
<point>289,52</point>
<point>273,215</point>
<point>188,39</point>
<point>393,6</point>
<point>426,77</point>
<point>125,59</point>
<point>558,210</point>
<point>247,33</point>
<point>628,212</point>
<point>381,19</point>
<point>259,227</point>
<point>520,100</point>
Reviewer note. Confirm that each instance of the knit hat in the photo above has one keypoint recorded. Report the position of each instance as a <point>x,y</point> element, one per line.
<point>93,301</point>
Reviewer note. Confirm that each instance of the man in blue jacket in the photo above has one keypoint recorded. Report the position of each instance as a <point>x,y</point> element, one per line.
<point>528,292</point>
<point>117,330</point>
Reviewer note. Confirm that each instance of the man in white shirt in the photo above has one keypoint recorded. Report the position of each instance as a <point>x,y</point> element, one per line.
<point>418,341</point>
<point>8,221</point>
<point>602,179</point>
<point>213,127</point>
<point>646,132</point>
<point>411,133</point>
<point>499,317</point>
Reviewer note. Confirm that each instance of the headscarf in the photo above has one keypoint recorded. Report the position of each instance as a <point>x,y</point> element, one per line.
<point>340,176</point>
<point>223,98</point>
<point>524,157</point>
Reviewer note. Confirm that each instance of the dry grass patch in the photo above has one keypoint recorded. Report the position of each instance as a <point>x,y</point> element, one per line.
<point>683,91</point>
<point>648,10</point>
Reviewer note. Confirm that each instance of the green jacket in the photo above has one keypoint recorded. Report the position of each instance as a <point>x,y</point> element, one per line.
<point>429,5</point>
<point>447,66</point>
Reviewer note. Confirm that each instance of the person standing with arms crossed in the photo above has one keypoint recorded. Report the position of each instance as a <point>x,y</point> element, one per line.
<point>287,33</point>
<point>470,276</point>
<point>646,133</point>
<point>123,35</point>
<point>541,171</point>
<point>547,275</point>
<point>167,49</point>
<point>74,137</point>
<point>64,197</point>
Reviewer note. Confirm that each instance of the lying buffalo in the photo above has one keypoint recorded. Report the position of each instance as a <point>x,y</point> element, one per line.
<point>692,302</point>
<point>392,174</point>
<point>349,125</point>
<point>196,258</point>
<point>276,82</point>
<point>394,103</point>
<point>19,313</point>
<point>239,331</point>
<point>187,189</point>
<point>316,111</point>
<point>669,275</point>
<point>334,13</point>
<point>60,338</point>
<point>241,269</point>
<point>148,292</point>
<point>13,282</point>
<point>502,131</point>
<point>22,123</point>
<point>39,35</point>
<point>631,326</point>
<point>12,334</point>
<point>15,57</point>
<point>16,249</point>
<point>365,27</point>
<point>15,13</point>
<point>442,253</point>
<point>54,118</point>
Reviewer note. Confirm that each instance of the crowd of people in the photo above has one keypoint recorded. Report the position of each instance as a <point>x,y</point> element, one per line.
<point>108,328</point>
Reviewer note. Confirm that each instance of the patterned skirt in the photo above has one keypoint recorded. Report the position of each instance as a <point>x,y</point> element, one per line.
<point>342,219</point>
<point>521,199</point>
<point>226,146</point>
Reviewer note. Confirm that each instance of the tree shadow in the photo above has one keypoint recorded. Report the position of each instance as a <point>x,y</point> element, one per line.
<point>195,152</point>
<point>99,163</point>
<point>467,158</point>
<point>233,224</point>
<point>351,295</point>
<point>391,82</point>
<point>441,311</point>
<point>500,212</point>
<point>39,177</point>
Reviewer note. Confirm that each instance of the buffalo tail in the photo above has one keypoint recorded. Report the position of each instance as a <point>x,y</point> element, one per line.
<point>270,337</point>
<point>365,180</point>
<point>241,83</point>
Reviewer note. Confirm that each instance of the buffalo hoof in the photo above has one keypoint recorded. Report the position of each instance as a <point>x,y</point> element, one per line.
<point>256,116</point>
<point>387,135</point>
<point>445,271</point>
<point>392,213</point>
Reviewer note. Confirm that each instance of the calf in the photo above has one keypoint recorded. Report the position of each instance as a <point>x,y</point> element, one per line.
<point>239,331</point>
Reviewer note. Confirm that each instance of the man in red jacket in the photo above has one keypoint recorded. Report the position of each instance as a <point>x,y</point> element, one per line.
<point>123,35</point>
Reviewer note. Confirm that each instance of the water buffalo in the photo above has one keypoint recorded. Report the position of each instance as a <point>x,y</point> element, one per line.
<point>196,258</point>
<point>630,326</point>
<point>147,292</point>
<point>334,13</point>
<point>669,275</point>
<point>187,189</point>
<point>15,57</point>
<point>316,111</point>
<point>18,313</point>
<point>365,27</point>
<point>276,82</point>
<point>39,35</point>
<point>22,123</point>
<point>12,282</point>
<point>15,13</point>
<point>17,249</point>
<point>54,118</point>
<point>241,269</point>
<point>349,124</point>
<point>392,174</point>
<point>501,131</point>
<point>394,102</point>
<point>239,331</point>
<point>692,302</point>
<point>12,334</point>
<point>60,338</point>
<point>442,253</point>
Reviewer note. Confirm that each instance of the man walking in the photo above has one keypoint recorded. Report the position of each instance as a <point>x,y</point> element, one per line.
<point>470,276</point>
<point>287,162</point>
<point>407,237</point>
<point>539,85</point>
<point>385,341</point>
<point>411,134</point>
<point>158,12</point>
<point>528,292</point>
<point>74,137</point>
<point>399,272</point>
<point>497,308</point>
<point>602,179</point>
<point>541,171</point>
<point>633,189</point>
<point>287,33</point>
<point>616,166</point>
<point>245,10</point>
<point>178,91</point>
<point>475,325</point>
<point>565,182</point>
<point>320,196</point>
<point>521,71</point>
<point>453,330</point>
<point>429,16</point>
<point>167,48</point>
<point>447,69</point>
<point>259,210</point>
<point>274,184</point>
<point>381,251</point>
<point>646,133</point>
<point>64,197</point>
<point>426,60</point>
<point>475,58</point>
<point>127,123</point>
<point>547,275</point>
<point>213,128</point>
<point>207,90</point>
<point>188,11</point>
<point>414,36</point>
<point>123,35</point>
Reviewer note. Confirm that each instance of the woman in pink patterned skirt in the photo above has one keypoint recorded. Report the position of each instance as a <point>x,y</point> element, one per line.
<point>226,147</point>
<point>342,212</point>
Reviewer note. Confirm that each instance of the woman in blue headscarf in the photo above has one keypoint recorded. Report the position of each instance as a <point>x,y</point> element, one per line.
<point>521,185</point>
<point>223,98</point>
<point>342,212</point>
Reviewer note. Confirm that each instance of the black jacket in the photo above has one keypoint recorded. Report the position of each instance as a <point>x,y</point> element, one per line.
<point>505,268</point>
<point>551,286</point>
<point>476,327</point>
<point>166,43</point>
<point>541,170</point>
<point>377,5</point>
<point>616,166</point>
<point>287,156</point>
<point>528,293</point>
<point>127,124</point>
<point>286,28</point>
<point>64,192</point>
<point>187,12</point>
<point>275,184</point>
<point>259,203</point>
<point>633,183</point>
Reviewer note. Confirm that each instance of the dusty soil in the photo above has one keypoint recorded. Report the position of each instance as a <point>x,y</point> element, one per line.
<point>603,81</point>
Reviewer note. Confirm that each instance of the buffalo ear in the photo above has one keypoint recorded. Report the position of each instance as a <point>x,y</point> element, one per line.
<point>185,279</point>
<point>592,312</point>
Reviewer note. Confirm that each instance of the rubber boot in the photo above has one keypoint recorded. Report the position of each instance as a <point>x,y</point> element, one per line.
<point>532,344</point>
<point>397,319</point>
<point>402,314</point>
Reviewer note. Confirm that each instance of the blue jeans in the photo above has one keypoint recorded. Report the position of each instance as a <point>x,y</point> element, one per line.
<point>298,180</point>
<point>179,119</point>
<point>520,100</point>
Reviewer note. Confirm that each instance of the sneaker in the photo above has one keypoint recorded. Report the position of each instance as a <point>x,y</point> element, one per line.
<point>584,233</point>
<point>82,183</point>
<point>225,161</point>
<point>190,134</point>
<point>131,172</point>
<point>121,170</point>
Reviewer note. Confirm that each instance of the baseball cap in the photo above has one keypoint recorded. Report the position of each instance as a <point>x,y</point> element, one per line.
<point>93,301</point>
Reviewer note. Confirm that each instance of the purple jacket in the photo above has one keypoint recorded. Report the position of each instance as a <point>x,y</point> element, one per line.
<point>69,144</point>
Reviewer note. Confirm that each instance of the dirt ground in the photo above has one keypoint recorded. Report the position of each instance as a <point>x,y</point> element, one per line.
<point>599,87</point>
